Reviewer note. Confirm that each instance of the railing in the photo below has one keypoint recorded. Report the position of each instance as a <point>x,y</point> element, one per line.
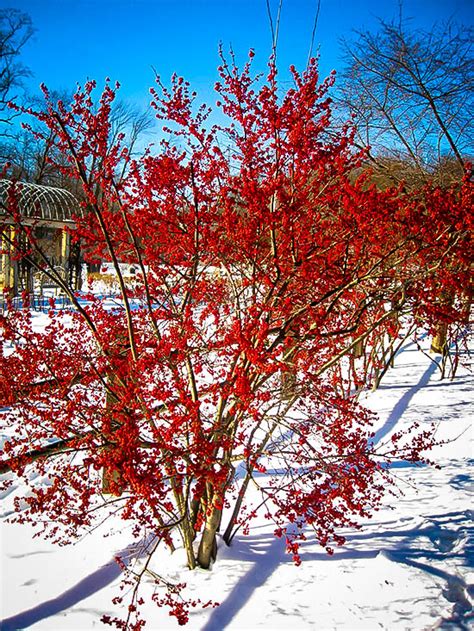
<point>36,302</point>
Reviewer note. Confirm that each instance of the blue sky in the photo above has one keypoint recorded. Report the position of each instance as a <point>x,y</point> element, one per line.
<point>124,39</point>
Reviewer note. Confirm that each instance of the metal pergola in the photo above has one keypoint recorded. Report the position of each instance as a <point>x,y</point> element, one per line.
<point>47,210</point>
<point>39,202</point>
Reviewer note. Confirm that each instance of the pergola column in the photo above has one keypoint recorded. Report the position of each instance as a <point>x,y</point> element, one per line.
<point>8,266</point>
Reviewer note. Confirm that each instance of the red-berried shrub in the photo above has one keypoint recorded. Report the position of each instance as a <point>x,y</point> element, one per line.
<point>263,267</point>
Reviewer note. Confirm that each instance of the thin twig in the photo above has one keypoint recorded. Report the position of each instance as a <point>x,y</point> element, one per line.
<point>313,34</point>
<point>274,29</point>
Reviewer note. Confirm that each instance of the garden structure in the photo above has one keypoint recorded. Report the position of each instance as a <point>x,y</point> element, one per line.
<point>46,213</point>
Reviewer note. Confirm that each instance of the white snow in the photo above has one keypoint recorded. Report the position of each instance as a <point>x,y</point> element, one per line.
<point>410,567</point>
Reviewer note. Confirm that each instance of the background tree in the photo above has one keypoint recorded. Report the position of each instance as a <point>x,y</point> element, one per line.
<point>15,31</point>
<point>411,93</point>
<point>28,155</point>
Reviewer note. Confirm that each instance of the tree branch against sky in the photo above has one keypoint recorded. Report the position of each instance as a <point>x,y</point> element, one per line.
<point>188,40</point>
<point>412,93</point>
<point>15,31</point>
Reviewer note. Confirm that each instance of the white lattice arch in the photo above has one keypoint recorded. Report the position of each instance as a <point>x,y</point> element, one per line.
<point>43,203</point>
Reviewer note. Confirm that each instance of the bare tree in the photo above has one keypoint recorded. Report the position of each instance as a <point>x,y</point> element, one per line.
<point>133,123</point>
<point>15,30</point>
<point>411,93</point>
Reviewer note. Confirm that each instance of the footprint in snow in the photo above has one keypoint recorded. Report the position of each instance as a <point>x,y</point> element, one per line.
<point>445,540</point>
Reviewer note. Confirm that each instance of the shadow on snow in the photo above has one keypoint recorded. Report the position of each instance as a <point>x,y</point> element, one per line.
<point>84,588</point>
<point>403,403</point>
<point>436,540</point>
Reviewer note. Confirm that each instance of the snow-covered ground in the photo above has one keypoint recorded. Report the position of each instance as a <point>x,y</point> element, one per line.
<point>410,567</point>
